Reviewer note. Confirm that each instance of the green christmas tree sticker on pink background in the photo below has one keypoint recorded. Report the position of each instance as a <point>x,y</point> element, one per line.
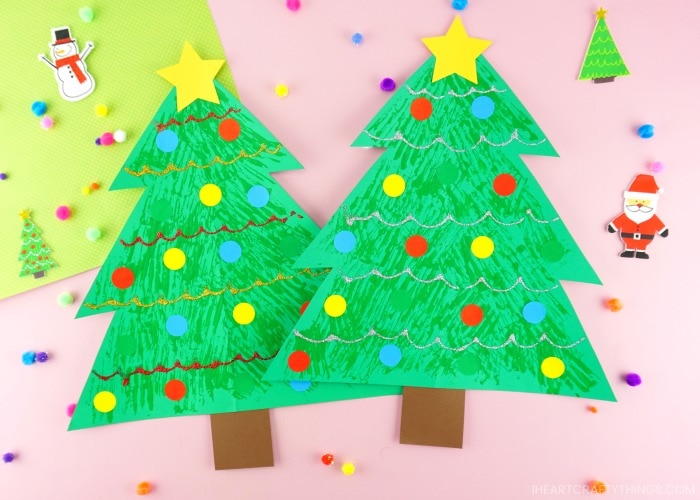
<point>603,61</point>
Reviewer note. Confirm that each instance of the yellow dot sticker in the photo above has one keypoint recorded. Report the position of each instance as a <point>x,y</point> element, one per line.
<point>394,185</point>
<point>552,367</point>
<point>174,259</point>
<point>243,313</point>
<point>104,401</point>
<point>210,195</point>
<point>335,306</point>
<point>482,247</point>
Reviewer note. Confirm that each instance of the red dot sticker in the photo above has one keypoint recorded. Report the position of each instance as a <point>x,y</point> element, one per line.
<point>416,246</point>
<point>229,129</point>
<point>175,390</point>
<point>303,307</point>
<point>472,315</point>
<point>123,277</point>
<point>298,361</point>
<point>421,108</point>
<point>504,184</point>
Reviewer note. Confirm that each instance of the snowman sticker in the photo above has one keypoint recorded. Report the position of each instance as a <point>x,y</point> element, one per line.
<point>74,81</point>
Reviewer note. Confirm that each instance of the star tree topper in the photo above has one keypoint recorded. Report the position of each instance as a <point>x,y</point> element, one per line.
<point>193,77</point>
<point>456,52</point>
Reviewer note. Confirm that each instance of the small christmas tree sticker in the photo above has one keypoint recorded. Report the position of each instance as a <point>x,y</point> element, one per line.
<point>202,277</point>
<point>34,254</point>
<point>603,61</point>
<point>447,257</point>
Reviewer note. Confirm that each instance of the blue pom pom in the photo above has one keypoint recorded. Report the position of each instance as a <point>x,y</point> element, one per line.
<point>646,131</point>
<point>357,38</point>
<point>8,457</point>
<point>29,357</point>
<point>39,108</point>
<point>459,4</point>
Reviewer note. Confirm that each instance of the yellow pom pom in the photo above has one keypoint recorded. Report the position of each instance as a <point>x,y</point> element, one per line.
<point>281,90</point>
<point>348,468</point>
<point>86,190</point>
<point>101,110</point>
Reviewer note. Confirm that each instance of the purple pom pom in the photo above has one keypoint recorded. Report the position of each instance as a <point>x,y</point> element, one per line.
<point>657,167</point>
<point>8,457</point>
<point>633,379</point>
<point>42,357</point>
<point>98,142</point>
<point>387,84</point>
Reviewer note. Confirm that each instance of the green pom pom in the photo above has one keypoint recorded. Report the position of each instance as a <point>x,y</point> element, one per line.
<point>86,14</point>
<point>93,234</point>
<point>65,299</point>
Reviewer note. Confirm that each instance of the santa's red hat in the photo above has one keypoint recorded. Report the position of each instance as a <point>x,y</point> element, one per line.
<point>644,187</point>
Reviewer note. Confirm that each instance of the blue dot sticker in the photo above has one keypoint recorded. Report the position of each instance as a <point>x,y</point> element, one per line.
<point>167,141</point>
<point>300,385</point>
<point>176,325</point>
<point>482,107</point>
<point>344,241</point>
<point>390,355</point>
<point>258,196</point>
<point>230,251</point>
<point>534,312</point>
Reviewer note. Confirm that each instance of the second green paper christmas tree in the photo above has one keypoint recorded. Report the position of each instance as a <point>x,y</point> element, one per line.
<point>447,257</point>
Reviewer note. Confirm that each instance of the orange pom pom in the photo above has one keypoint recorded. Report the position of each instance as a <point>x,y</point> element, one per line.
<point>614,305</point>
<point>143,488</point>
<point>597,487</point>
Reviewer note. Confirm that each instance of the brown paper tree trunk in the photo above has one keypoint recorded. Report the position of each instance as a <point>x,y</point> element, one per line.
<point>242,440</point>
<point>604,80</point>
<point>432,417</point>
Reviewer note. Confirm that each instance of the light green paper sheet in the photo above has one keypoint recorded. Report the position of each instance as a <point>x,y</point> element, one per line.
<point>47,169</point>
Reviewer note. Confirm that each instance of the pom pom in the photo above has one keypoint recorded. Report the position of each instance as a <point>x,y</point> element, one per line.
<point>348,468</point>
<point>65,299</point>
<point>93,234</point>
<point>42,357</point>
<point>657,167</point>
<point>28,358</point>
<point>646,131</point>
<point>70,409</point>
<point>97,142</point>
<point>459,4</point>
<point>387,84</point>
<point>3,176</point>
<point>143,488</point>
<point>46,122</point>
<point>597,487</point>
<point>120,136</point>
<point>101,110</point>
<point>281,90</point>
<point>86,14</point>
<point>633,379</point>
<point>94,186</point>
<point>86,190</point>
<point>592,409</point>
<point>62,212</point>
<point>357,38</point>
<point>39,108</point>
<point>107,139</point>
<point>327,459</point>
<point>8,457</point>
<point>293,5</point>
<point>614,305</point>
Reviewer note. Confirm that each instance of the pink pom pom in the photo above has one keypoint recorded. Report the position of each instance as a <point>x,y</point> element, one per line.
<point>657,167</point>
<point>46,122</point>
<point>293,5</point>
<point>70,409</point>
<point>107,139</point>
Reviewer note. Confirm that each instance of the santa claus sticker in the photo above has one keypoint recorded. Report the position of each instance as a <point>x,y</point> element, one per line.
<point>68,64</point>
<point>638,224</point>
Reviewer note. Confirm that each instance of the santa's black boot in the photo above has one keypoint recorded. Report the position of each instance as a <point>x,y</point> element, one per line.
<point>642,255</point>
<point>628,253</point>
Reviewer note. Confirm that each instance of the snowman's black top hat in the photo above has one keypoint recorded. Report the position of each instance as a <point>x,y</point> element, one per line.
<point>61,35</point>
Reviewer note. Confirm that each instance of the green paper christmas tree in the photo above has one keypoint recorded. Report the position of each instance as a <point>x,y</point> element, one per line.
<point>447,257</point>
<point>202,277</point>
<point>34,253</point>
<point>603,61</point>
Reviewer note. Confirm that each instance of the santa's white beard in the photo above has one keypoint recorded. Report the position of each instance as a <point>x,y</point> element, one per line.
<point>639,214</point>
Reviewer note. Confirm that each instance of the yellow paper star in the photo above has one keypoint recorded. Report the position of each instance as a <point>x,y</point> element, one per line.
<point>193,77</point>
<point>600,13</point>
<point>25,214</point>
<point>456,52</point>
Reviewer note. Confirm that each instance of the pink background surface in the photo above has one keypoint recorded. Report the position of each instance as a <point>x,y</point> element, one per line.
<point>516,445</point>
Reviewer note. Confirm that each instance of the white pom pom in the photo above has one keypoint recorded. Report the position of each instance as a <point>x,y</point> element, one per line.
<point>119,136</point>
